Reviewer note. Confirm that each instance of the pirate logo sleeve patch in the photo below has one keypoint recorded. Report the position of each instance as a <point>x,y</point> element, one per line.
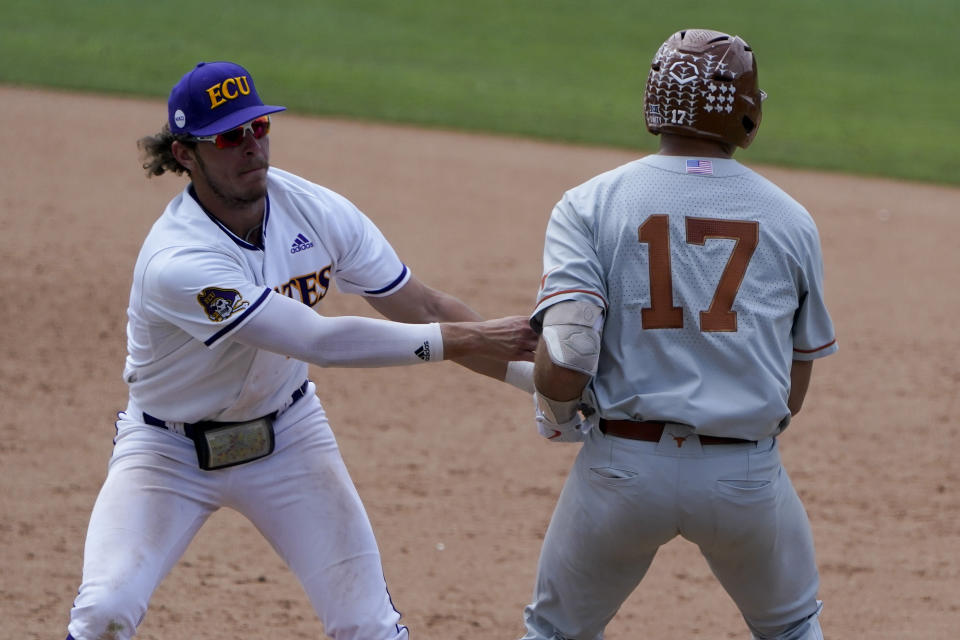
<point>220,304</point>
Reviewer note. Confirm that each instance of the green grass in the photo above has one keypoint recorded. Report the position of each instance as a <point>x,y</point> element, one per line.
<point>861,86</point>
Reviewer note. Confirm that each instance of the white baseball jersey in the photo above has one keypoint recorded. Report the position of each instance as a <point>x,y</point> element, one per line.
<point>196,282</point>
<point>715,278</point>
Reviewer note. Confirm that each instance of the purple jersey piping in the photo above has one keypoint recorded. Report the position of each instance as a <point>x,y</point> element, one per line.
<point>239,241</point>
<point>219,334</point>
<point>389,286</point>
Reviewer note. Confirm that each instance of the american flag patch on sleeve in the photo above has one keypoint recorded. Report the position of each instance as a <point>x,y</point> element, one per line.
<point>703,167</point>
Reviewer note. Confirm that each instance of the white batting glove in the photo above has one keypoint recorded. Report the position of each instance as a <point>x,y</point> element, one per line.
<point>559,421</point>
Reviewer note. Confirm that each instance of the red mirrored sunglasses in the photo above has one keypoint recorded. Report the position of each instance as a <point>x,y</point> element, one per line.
<point>234,137</point>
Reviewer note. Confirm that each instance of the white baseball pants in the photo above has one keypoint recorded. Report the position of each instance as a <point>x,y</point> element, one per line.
<point>301,498</point>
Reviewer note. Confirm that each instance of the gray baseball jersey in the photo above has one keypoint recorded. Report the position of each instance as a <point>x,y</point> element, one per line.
<point>716,278</point>
<point>711,281</point>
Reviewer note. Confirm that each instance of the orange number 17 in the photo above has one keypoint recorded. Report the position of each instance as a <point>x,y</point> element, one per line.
<point>661,314</point>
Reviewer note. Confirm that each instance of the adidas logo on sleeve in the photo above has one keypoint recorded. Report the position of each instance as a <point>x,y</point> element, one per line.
<point>300,243</point>
<point>423,352</point>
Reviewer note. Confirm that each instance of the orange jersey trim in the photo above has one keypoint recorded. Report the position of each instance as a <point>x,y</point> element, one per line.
<point>543,280</point>
<point>558,293</point>
<point>829,344</point>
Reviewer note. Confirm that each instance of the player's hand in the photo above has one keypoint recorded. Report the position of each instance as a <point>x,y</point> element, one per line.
<point>573,430</point>
<point>509,338</point>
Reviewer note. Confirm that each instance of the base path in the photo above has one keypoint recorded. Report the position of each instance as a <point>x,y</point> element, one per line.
<point>457,482</point>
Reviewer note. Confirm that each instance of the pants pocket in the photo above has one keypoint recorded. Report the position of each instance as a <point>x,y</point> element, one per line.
<point>609,473</point>
<point>745,485</point>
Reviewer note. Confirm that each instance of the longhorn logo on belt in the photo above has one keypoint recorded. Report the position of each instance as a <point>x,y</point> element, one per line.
<point>229,89</point>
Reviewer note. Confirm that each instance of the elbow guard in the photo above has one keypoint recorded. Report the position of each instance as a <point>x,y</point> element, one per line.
<point>571,332</point>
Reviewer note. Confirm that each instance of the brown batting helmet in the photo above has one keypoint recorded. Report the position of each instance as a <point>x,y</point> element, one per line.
<point>703,84</point>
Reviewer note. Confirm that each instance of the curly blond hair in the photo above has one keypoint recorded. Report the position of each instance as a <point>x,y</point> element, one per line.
<point>157,153</point>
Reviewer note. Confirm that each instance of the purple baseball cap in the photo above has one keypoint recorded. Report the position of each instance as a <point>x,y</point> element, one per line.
<point>214,97</point>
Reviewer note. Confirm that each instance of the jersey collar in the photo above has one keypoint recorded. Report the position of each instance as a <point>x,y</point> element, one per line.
<point>230,234</point>
<point>718,167</point>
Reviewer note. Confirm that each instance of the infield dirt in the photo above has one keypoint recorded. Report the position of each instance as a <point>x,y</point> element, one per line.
<point>457,483</point>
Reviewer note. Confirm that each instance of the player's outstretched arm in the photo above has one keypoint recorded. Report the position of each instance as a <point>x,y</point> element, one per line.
<point>501,339</point>
<point>417,302</point>
<point>288,327</point>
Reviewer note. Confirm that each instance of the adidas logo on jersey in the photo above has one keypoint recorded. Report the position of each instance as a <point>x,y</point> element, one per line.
<point>300,243</point>
<point>424,352</point>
